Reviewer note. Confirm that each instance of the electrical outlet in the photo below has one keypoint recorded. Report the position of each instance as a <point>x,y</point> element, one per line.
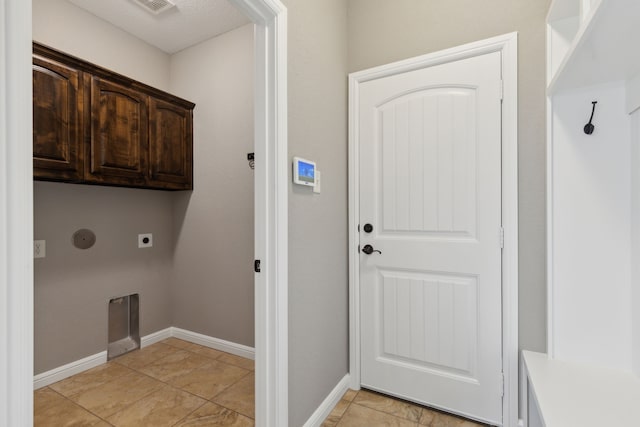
<point>39,249</point>
<point>145,240</point>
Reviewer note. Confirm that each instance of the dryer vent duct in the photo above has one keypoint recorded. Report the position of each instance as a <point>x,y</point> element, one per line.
<point>155,7</point>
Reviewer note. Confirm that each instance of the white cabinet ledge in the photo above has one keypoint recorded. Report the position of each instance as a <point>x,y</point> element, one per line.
<point>571,394</point>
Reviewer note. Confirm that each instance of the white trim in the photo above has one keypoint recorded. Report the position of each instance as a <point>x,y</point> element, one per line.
<point>550,231</point>
<point>322,412</point>
<point>510,281</point>
<point>354,237</point>
<point>633,94</point>
<point>215,343</point>
<point>65,371</point>
<point>78,366</point>
<point>16,215</point>
<point>506,44</point>
<point>524,394</point>
<point>549,200</point>
<point>16,212</point>
<point>271,216</point>
<point>155,337</point>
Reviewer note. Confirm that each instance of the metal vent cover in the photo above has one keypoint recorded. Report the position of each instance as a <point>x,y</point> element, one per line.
<point>155,6</point>
<point>83,238</point>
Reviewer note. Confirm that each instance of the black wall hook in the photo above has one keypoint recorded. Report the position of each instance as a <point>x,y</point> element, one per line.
<point>589,128</point>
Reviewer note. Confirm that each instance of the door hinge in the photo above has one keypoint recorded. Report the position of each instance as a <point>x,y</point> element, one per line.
<point>502,237</point>
<point>256,266</point>
<point>501,90</point>
<point>501,384</point>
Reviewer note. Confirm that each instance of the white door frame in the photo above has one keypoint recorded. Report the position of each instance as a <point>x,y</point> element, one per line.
<point>506,44</point>
<point>16,212</point>
<point>16,215</point>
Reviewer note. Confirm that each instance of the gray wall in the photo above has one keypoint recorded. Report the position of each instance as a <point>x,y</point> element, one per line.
<point>318,269</point>
<point>206,235</point>
<point>378,32</point>
<point>213,276</point>
<point>382,31</point>
<point>66,27</point>
<point>72,287</point>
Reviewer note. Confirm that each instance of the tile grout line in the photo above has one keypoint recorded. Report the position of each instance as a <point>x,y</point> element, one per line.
<point>79,405</point>
<point>353,402</point>
<point>187,416</point>
<point>207,400</point>
<point>227,387</point>
<point>138,371</point>
<point>345,411</point>
<point>217,358</point>
<point>69,398</point>
<point>388,413</point>
<point>180,389</point>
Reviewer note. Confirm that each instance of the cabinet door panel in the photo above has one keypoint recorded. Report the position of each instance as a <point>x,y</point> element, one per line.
<point>118,146</point>
<point>57,121</point>
<point>170,145</point>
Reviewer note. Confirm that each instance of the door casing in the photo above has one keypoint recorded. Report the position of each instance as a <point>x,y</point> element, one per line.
<point>507,45</point>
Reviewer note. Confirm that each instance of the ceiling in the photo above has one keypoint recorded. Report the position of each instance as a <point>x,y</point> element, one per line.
<point>189,23</point>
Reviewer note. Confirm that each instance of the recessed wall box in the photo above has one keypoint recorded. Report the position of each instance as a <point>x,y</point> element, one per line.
<point>304,172</point>
<point>124,325</point>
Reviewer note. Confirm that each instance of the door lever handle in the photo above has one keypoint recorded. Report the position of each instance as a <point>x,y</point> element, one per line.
<point>368,249</point>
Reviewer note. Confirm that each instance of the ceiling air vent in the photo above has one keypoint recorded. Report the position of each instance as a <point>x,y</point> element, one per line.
<point>155,6</point>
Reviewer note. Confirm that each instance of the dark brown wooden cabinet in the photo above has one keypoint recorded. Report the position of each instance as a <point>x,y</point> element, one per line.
<point>170,150</point>
<point>117,150</point>
<point>95,126</point>
<point>58,121</point>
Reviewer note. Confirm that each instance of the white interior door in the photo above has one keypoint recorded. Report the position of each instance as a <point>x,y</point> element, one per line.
<point>430,189</point>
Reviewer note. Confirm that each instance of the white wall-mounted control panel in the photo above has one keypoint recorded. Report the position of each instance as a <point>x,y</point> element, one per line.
<point>304,172</point>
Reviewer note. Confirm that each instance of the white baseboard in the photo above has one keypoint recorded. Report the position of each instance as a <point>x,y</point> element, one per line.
<point>325,408</point>
<point>215,343</point>
<point>155,337</point>
<point>73,368</point>
<point>62,372</point>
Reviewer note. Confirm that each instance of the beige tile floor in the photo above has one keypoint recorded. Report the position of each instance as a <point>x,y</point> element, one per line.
<point>171,383</point>
<point>367,409</point>
<point>177,383</point>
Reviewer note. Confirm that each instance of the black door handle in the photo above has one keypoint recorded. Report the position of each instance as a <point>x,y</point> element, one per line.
<point>368,249</point>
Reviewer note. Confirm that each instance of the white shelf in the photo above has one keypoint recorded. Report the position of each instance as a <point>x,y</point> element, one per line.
<point>561,9</point>
<point>572,394</point>
<point>592,44</point>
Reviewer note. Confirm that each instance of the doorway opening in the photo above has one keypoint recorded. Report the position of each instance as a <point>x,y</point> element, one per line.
<point>271,206</point>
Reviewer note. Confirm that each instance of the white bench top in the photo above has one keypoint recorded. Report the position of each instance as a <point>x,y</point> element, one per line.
<point>573,394</point>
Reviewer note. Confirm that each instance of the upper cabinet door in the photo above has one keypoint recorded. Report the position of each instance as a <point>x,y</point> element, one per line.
<point>57,121</point>
<point>118,148</point>
<point>93,125</point>
<point>170,145</point>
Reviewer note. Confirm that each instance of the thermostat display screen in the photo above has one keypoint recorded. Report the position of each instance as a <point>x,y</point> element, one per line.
<point>304,172</point>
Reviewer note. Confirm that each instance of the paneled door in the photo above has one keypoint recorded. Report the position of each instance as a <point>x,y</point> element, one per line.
<point>430,236</point>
